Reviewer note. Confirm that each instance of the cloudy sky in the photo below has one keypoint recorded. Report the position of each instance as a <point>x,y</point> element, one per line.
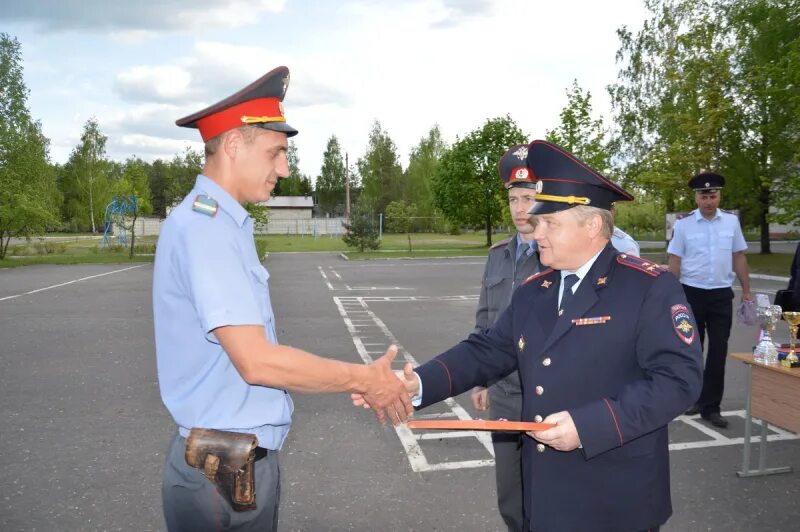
<point>139,66</point>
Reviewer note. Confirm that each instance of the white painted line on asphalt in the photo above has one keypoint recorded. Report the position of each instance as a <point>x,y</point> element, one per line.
<point>71,282</point>
<point>690,420</point>
<point>728,441</point>
<point>407,438</point>
<point>325,277</point>
<point>451,434</point>
<point>336,274</point>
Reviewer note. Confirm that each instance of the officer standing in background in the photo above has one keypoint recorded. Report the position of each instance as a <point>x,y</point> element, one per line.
<point>706,250</point>
<point>624,243</point>
<point>606,349</point>
<point>222,374</point>
<point>509,263</point>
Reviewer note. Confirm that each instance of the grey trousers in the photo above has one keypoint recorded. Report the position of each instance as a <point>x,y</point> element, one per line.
<point>507,458</point>
<point>192,503</point>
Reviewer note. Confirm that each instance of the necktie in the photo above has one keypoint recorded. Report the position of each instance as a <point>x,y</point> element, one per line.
<point>566,297</point>
<point>521,256</point>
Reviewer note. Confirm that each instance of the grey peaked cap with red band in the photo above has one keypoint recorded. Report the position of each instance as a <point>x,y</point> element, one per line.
<point>513,167</point>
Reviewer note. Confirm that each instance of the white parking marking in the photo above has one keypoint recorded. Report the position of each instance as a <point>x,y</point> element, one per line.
<point>408,439</point>
<point>73,281</point>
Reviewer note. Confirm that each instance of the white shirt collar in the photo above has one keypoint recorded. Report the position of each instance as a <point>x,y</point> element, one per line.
<point>583,270</point>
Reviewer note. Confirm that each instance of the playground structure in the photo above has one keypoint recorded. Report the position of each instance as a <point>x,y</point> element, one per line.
<point>117,211</point>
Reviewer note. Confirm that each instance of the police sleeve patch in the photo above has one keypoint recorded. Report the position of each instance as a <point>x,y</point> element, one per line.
<point>682,323</point>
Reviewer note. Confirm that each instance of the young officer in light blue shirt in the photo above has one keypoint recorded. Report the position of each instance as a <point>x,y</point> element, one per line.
<point>706,251</point>
<point>220,367</point>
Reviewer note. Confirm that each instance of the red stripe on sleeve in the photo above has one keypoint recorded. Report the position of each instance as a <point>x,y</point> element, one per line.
<point>449,379</point>
<point>621,440</point>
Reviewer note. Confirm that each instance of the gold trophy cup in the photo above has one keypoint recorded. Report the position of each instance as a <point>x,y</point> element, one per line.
<point>793,319</point>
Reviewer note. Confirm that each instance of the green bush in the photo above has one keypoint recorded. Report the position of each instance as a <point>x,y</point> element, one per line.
<point>261,248</point>
<point>49,248</point>
<point>144,249</point>
<point>19,250</point>
<point>112,248</point>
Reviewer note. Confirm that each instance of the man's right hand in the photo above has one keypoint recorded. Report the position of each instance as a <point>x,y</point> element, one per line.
<point>480,398</point>
<point>385,392</point>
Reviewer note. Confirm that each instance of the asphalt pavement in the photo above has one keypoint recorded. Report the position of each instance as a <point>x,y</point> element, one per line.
<point>83,429</point>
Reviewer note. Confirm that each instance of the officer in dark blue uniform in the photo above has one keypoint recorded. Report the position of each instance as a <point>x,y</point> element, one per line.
<point>607,349</point>
<point>510,262</point>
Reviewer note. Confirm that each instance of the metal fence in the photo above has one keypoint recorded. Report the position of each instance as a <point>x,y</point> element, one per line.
<point>303,226</point>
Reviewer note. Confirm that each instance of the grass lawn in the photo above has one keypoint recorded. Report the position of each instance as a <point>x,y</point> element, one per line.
<point>85,251</point>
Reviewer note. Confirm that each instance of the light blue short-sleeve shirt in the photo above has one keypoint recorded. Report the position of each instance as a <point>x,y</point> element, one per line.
<point>208,275</point>
<point>706,248</point>
<point>624,243</point>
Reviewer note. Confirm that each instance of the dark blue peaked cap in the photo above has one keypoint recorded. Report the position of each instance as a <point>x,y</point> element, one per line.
<point>564,181</point>
<point>707,182</point>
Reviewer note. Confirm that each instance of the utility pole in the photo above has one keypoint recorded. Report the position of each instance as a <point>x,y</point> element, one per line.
<point>346,186</point>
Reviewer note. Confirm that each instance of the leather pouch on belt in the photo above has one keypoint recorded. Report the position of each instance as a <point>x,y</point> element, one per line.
<point>226,459</point>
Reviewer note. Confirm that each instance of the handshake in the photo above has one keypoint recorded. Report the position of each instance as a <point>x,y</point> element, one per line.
<point>388,392</point>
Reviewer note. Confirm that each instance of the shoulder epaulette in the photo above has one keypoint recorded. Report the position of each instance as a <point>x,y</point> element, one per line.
<point>205,205</point>
<point>637,263</point>
<point>501,243</point>
<point>537,275</point>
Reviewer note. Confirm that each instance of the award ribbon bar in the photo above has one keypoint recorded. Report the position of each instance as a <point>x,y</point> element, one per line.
<point>478,424</point>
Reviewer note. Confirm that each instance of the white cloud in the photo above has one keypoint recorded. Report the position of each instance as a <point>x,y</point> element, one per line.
<point>109,15</point>
<point>354,63</point>
<point>146,83</point>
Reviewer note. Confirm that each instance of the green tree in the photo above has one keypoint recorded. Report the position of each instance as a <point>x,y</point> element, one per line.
<point>330,183</point>
<point>466,187</point>
<point>766,55</point>
<point>400,218</point>
<point>158,178</point>
<point>28,193</point>
<point>181,176</point>
<point>85,183</point>
<point>673,104</point>
<point>133,186</point>
<point>380,171</point>
<point>579,133</point>
<point>422,164</point>
<point>360,232</point>
<point>713,85</point>
<point>296,184</point>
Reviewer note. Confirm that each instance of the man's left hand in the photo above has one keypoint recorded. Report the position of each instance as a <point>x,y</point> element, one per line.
<point>562,437</point>
<point>747,296</point>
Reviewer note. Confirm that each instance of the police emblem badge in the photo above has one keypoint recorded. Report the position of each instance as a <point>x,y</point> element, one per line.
<point>682,323</point>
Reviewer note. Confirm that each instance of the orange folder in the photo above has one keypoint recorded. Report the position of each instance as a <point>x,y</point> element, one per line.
<point>477,424</point>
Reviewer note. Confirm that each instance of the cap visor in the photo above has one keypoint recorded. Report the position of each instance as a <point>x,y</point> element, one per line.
<point>547,207</point>
<point>282,127</point>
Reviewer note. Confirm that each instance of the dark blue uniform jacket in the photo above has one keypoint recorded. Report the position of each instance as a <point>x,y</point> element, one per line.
<point>624,372</point>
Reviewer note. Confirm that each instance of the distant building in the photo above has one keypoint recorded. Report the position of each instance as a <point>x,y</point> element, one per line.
<point>289,208</point>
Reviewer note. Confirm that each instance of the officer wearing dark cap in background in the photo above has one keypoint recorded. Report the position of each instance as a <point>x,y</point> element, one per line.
<point>706,249</point>
<point>606,348</point>
<point>510,262</point>
<point>222,374</point>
